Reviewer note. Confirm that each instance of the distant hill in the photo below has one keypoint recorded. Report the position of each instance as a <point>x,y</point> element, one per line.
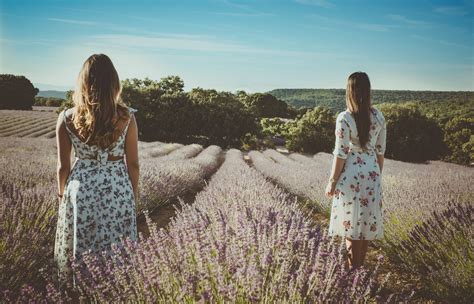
<point>52,93</point>
<point>335,98</point>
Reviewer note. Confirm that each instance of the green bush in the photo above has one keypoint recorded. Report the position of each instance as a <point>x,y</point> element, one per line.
<point>313,132</point>
<point>459,138</point>
<point>49,101</point>
<point>276,127</point>
<point>16,92</point>
<point>200,116</point>
<point>266,105</point>
<point>411,136</point>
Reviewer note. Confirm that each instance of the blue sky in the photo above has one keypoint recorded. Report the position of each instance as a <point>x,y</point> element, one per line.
<point>251,45</point>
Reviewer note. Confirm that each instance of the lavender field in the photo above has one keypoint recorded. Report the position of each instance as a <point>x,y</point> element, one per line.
<point>248,228</point>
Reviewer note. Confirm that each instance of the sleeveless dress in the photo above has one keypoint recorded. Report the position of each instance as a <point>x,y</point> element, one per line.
<point>357,210</point>
<point>98,203</point>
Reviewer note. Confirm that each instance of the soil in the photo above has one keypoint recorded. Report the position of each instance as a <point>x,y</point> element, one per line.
<point>162,215</point>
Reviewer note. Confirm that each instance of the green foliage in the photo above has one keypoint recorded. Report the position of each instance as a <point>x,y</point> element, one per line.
<point>459,137</point>
<point>335,99</point>
<point>172,85</point>
<point>265,105</point>
<point>444,111</point>
<point>276,126</point>
<point>200,116</point>
<point>16,92</point>
<point>250,142</point>
<point>49,101</point>
<point>411,136</point>
<point>66,104</point>
<point>313,132</point>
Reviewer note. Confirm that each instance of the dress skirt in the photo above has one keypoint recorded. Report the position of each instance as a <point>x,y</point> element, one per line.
<point>357,209</point>
<point>97,209</point>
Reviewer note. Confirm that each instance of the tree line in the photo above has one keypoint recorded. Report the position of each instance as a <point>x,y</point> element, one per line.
<point>417,131</point>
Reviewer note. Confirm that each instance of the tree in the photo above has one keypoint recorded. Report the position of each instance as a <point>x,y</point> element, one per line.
<point>16,92</point>
<point>171,85</point>
<point>313,132</point>
<point>459,138</point>
<point>266,105</point>
<point>200,116</point>
<point>411,136</point>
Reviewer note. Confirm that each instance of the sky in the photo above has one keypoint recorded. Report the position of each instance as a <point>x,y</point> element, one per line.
<point>254,46</point>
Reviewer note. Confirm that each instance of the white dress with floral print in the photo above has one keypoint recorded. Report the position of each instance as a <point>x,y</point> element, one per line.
<point>98,204</point>
<point>357,210</point>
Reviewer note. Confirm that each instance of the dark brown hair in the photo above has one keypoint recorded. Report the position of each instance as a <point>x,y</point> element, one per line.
<point>97,100</point>
<point>358,103</point>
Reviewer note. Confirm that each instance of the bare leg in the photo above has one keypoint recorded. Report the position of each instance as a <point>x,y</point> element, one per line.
<point>363,250</point>
<point>349,261</point>
<point>353,247</point>
<point>355,252</point>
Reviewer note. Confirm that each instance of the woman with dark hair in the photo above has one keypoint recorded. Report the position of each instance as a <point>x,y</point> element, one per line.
<point>355,181</point>
<point>97,197</point>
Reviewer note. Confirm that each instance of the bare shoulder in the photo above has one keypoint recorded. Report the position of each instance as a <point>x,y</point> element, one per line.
<point>69,112</point>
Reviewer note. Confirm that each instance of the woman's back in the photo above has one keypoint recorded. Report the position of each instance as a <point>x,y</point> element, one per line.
<point>376,141</point>
<point>86,151</point>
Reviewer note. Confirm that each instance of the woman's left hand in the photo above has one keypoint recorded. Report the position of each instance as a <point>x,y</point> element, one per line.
<point>330,188</point>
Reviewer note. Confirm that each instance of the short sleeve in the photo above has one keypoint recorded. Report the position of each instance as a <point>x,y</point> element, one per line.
<point>342,132</point>
<point>382,137</point>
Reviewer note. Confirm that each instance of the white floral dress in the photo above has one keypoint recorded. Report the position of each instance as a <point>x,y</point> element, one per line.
<point>357,209</point>
<point>98,204</point>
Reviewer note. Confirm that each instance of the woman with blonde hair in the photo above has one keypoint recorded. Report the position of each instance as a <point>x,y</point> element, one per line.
<point>97,197</point>
<point>356,174</point>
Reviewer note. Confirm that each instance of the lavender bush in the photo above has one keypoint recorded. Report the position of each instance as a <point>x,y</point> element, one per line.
<point>424,231</point>
<point>302,180</point>
<point>441,250</point>
<point>170,176</point>
<point>159,150</point>
<point>27,213</point>
<point>243,240</point>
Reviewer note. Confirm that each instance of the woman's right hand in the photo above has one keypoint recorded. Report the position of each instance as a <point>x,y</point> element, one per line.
<point>330,188</point>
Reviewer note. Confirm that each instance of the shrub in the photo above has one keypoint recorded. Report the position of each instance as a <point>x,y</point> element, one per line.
<point>16,92</point>
<point>49,101</point>
<point>266,105</point>
<point>411,136</point>
<point>313,132</point>
<point>200,116</point>
<point>440,249</point>
<point>459,137</point>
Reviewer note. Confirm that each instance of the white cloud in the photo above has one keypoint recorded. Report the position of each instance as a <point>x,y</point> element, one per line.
<point>71,21</point>
<point>244,14</point>
<point>374,27</point>
<point>451,10</point>
<point>408,21</point>
<point>322,3</point>
<point>186,42</point>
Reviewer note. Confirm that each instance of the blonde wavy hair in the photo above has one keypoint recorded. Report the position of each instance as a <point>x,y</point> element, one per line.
<point>98,103</point>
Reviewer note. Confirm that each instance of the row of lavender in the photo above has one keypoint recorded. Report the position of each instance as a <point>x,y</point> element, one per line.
<point>428,214</point>
<point>28,207</point>
<point>243,240</point>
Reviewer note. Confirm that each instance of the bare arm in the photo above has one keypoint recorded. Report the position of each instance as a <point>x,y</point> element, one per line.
<point>337,165</point>
<point>131,154</point>
<point>64,145</point>
<point>380,159</point>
